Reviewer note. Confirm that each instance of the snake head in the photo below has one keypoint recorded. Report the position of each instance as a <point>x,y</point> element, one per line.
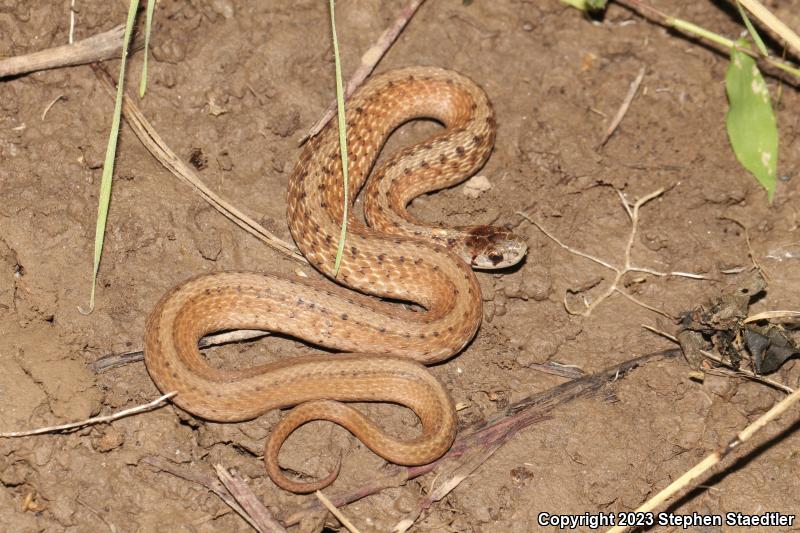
<point>489,247</point>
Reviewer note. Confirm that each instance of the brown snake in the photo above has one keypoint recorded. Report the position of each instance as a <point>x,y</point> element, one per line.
<point>395,257</point>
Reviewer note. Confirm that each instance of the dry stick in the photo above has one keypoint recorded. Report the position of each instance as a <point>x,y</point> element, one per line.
<point>95,420</point>
<point>497,430</point>
<point>750,252</point>
<point>249,501</point>
<point>773,23</point>
<point>336,512</point>
<point>115,360</point>
<point>787,317</point>
<point>206,480</point>
<point>633,214</point>
<point>106,45</point>
<point>51,104</point>
<point>71,21</point>
<point>688,479</point>
<point>557,369</point>
<point>368,62</point>
<point>623,108</point>
<point>747,374</point>
<point>446,485</point>
<point>158,148</point>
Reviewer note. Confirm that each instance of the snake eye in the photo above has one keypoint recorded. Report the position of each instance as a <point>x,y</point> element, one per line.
<point>495,257</point>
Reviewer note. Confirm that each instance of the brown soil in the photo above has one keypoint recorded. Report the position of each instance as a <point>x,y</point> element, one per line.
<point>556,79</point>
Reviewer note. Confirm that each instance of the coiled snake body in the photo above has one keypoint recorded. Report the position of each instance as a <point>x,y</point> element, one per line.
<point>395,257</point>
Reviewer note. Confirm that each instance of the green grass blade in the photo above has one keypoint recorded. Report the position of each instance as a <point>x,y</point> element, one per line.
<point>342,141</point>
<point>587,5</point>
<point>694,29</point>
<point>752,30</point>
<point>151,5</point>
<point>752,129</point>
<point>111,150</point>
<point>784,67</point>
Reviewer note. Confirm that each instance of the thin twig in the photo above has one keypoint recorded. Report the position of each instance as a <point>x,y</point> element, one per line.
<point>368,61</point>
<point>250,503</point>
<point>71,20</point>
<point>750,252</point>
<point>566,247</point>
<point>623,108</point>
<point>646,306</point>
<point>200,478</point>
<point>115,360</point>
<point>633,214</point>
<point>747,374</point>
<point>106,45</point>
<point>51,104</point>
<point>788,317</point>
<point>735,371</point>
<point>688,479</point>
<point>159,149</point>
<point>447,483</point>
<point>336,512</point>
<point>557,369</point>
<point>95,420</point>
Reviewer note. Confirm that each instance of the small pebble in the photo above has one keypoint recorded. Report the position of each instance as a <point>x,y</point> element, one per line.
<point>476,186</point>
<point>223,7</point>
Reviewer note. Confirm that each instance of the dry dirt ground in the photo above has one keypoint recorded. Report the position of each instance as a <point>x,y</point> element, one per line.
<point>240,81</point>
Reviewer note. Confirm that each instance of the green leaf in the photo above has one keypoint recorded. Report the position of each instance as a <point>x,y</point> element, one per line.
<point>751,125</point>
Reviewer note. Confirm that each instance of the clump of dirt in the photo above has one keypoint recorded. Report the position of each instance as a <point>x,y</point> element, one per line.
<point>233,86</point>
